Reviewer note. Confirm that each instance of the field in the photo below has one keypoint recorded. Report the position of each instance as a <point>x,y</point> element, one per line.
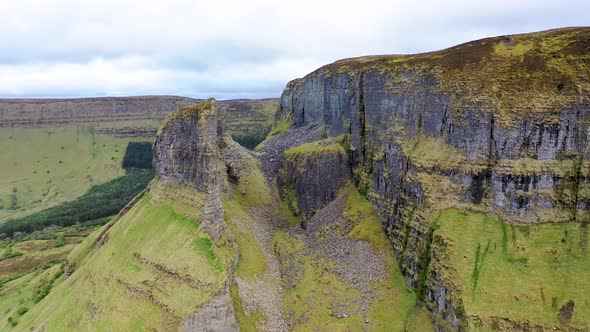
<point>45,167</point>
<point>533,271</point>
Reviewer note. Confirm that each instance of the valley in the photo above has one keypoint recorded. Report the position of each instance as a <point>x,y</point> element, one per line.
<point>440,191</point>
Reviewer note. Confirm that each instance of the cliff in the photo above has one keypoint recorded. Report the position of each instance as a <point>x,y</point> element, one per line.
<point>494,127</point>
<point>186,152</point>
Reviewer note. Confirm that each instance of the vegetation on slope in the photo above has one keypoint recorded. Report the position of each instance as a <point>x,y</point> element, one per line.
<point>318,295</point>
<point>248,122</point>
<point>100,201</point>
<point>152,269</point>
<point>251,261</point>
<point>328,146</point>
<point>533,271</point>
<point>25,279</point>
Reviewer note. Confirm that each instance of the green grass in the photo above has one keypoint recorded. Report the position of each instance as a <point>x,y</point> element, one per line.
<point>531,270</point>
<point>519,49</point>
<point>136,279</point>
<point>28,278</point>
<point>9,252</point>
<point>419,320</point>
<point>287,206</point>
<point>281,127</point>
<point>367,228</point>
<point>426,151</point>
<point>45,167</point>
<point>251,189</point>
<point>251,262</point>
<point>30,259</point>
<point>330,145</point>
<point>20,293</point>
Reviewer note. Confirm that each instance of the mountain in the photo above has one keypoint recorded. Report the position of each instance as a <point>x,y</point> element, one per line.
<point>476,160</point>
<point>439,191</point>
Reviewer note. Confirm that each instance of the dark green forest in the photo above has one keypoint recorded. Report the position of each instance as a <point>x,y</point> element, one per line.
<point>99,202</point>
<point>138,155</point>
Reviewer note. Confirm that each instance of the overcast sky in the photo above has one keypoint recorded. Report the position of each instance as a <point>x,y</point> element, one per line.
<point>233,49</point>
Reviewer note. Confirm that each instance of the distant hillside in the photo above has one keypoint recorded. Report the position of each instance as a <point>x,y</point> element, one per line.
<point>247,120</point>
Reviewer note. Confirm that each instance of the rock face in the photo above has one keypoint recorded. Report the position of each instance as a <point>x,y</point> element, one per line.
<point>216,315</point>
<point>186,152</point>
<point>311,176</point>
<point>499,125</point>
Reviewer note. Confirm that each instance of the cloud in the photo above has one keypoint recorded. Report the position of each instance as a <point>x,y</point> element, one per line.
<point>230,49</point>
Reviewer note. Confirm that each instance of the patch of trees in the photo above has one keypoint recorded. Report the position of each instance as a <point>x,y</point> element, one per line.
<point>100,201</point>
<point>138,155</point>
<point>250,138</point>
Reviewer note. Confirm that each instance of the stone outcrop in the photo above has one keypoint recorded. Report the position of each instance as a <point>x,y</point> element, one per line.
<point>186,151</point>
<point>499,125</point>
<point>216,315</point>
<point>312,174</point>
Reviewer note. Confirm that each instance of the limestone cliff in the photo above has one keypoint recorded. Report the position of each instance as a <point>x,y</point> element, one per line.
<point>497,126</point>
<point>312,174</point>
<point>186,152</point>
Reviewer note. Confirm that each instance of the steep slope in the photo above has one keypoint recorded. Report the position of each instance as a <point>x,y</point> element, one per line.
<point>163,263</point>
<point>496,129</point>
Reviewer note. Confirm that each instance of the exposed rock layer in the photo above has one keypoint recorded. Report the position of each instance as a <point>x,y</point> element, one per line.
<point>186,152</point>
<point>311,177</point>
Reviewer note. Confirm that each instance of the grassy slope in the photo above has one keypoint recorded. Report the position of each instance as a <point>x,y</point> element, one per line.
<point>318,291</point>
<point>530,270</point>
<point>249,121</point>
<point>155,269</point>
<point>44,174</point>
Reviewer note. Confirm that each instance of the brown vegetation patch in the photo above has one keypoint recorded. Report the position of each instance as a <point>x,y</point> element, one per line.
<point>171,274</point>
<point>23,264</point>
<point>34,245</point>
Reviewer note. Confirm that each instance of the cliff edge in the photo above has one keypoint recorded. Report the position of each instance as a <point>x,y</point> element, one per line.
<point>488,137</point>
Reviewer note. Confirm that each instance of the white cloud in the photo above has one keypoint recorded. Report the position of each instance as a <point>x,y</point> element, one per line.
<point>232,48</point>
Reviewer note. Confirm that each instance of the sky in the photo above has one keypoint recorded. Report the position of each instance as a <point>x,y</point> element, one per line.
<point>233,49</point>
